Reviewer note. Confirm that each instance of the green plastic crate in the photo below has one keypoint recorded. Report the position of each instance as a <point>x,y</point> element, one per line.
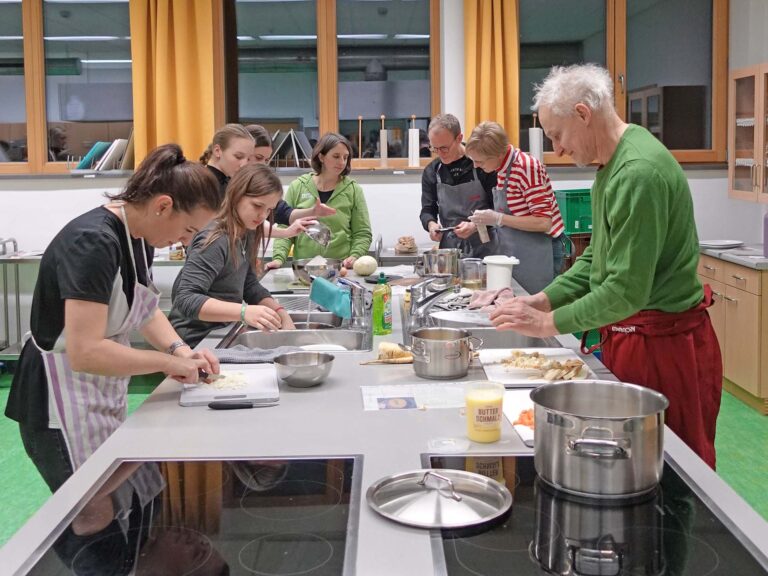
<point>576,209</point>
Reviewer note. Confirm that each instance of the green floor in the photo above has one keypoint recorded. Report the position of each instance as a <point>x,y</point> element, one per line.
<point>742,435</point>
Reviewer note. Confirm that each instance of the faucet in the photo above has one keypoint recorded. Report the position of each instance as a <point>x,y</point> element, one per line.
<point>421,302</point>
<point>360,317</point>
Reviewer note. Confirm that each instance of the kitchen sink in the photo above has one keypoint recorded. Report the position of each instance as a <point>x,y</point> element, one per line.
<point>246,336</point>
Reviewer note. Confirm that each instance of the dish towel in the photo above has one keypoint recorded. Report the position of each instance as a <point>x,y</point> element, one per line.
<point>243,355</point>
<point>331,297</point>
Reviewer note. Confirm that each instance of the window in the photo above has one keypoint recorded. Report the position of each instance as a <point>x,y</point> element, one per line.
<point>668,60</point>
<point>556,33</point>
<point>316,66</point>
<point>669,71</point>
<point>88,86</point>
<point>13,112</point>
<point>383,69</point>
<point>276,81</point>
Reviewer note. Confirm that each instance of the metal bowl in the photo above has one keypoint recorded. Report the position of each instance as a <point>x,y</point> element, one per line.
<point>329,270</point>
<point>303,369</point>
<point>320,233</point>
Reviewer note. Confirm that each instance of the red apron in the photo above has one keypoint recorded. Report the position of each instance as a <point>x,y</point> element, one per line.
<point>676,354</point>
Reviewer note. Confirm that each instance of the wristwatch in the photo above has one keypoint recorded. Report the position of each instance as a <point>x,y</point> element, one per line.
<point>175,345</point>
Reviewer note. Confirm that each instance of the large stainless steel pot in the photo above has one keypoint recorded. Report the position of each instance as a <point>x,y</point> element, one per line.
<point>576,535</point>
<point>442,353</point>
<point>599,438</point>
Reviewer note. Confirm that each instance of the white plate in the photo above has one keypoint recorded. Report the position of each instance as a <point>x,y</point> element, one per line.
<point>323,347</point>
<point>521,377</point>
<point>471,317</point>
<point>720,243</point>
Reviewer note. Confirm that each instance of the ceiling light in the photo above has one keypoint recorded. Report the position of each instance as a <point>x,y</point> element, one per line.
<point>11,37</point>
<point>271,37</point>
<point>411,36</point>
<point>106,61</point>
<point>245,38</point>
<point>85,38</point>
<point>362,36</point>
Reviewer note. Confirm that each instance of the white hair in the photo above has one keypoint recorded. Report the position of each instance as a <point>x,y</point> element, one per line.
<point>566,86</point>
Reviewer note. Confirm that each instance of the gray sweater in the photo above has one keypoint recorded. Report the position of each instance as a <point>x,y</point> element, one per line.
<point>210,272</point>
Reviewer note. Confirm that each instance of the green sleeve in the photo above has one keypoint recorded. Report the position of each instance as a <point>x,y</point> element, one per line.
<point>571,284</point>
<point>360,224</point>
<point>636,212</point>
<point>282,246</point>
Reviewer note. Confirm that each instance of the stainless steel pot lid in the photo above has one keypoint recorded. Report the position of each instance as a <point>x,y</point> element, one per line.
<point>439,498</point>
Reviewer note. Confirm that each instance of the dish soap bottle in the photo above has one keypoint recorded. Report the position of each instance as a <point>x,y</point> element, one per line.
<point>382,307</point>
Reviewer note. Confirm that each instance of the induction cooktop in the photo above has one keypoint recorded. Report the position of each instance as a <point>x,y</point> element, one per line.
<point>218,517</point>
<point>670,532</point>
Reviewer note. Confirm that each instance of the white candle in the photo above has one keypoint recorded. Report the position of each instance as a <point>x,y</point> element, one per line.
<point>413,147</point>
<point>536,143</point>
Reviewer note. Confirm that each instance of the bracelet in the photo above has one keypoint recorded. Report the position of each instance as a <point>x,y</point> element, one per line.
<point>243,308</point>
<point>499,217</point>
<point>175,345</point>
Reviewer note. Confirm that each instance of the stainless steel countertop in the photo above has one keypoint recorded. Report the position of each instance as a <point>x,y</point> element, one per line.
<point>329,421</point>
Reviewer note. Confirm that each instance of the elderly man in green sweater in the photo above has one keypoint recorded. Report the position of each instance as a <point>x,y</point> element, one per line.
<point>637,280</point>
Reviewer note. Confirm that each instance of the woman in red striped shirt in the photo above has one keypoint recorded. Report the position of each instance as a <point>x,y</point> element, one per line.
<point>525,210</point>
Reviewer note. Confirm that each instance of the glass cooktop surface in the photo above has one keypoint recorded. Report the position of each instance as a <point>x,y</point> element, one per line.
<point>670,532</point>
<point>214,517</point>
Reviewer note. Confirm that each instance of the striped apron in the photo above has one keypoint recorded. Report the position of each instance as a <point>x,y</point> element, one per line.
<point>88,408</point>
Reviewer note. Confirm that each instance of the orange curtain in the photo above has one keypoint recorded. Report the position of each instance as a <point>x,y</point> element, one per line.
<point>492,64</point>
<point>173,76</point>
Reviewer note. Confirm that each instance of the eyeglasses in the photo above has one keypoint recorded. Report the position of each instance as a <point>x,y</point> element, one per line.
<point>440,149</point>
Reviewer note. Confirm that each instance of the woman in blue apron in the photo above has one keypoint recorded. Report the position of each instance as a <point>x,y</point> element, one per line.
<point>525,211</point>
<point>94,289</point>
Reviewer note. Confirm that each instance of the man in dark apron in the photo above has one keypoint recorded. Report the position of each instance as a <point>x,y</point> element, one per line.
<point>637,280</point>
<point>451,190</point>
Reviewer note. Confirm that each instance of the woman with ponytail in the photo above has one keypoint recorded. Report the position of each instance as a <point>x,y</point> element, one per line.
<point>94,289</point>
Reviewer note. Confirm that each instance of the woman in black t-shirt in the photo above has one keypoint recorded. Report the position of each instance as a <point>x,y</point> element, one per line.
<point>93,289</point>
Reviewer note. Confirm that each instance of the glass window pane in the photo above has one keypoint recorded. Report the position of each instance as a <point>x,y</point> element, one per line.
<point>669,67</point>
<point>13,112</point>
<point>556,33</point>
<point>383,64</point>
<point>277,70</point>
<point>88,86</point>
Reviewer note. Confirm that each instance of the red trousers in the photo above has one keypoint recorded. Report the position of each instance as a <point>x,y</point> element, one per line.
<point>677,355</point>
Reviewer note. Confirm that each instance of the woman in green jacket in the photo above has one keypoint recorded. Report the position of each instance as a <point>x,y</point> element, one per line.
<point>329,182</point>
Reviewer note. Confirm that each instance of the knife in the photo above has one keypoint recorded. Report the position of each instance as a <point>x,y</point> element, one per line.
<point>207,378</point>
<point>237,405</point>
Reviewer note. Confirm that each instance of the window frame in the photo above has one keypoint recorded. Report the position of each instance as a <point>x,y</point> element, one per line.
<point>616,61</point>
<point>34,91</point>
<point>328,79</point>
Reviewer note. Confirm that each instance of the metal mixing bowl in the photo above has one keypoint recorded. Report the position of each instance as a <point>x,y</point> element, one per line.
<point>303,369</point>
<point>329,270</point>
<point>320,233</point>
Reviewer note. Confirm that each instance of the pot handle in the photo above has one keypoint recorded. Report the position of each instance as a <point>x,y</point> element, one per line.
<point>589,561</point>
<point>472,345</point>
<point>428,473</point>
<point>581,448</point>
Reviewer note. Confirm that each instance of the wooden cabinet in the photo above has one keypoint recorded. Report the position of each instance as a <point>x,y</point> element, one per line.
<point>747,142</point>
<point>740,318</point>
<point>676,115</point>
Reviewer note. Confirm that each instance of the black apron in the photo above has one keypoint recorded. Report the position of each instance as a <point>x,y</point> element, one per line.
<point>533,249</point>
<point>455,205</point>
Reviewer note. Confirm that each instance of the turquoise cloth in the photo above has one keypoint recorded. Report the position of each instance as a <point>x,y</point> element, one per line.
<point>331,297</point>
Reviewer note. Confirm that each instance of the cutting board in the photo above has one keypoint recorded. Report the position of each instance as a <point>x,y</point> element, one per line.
<point>260,386</point>
<point>515,401</point>
<point>522,378</point>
